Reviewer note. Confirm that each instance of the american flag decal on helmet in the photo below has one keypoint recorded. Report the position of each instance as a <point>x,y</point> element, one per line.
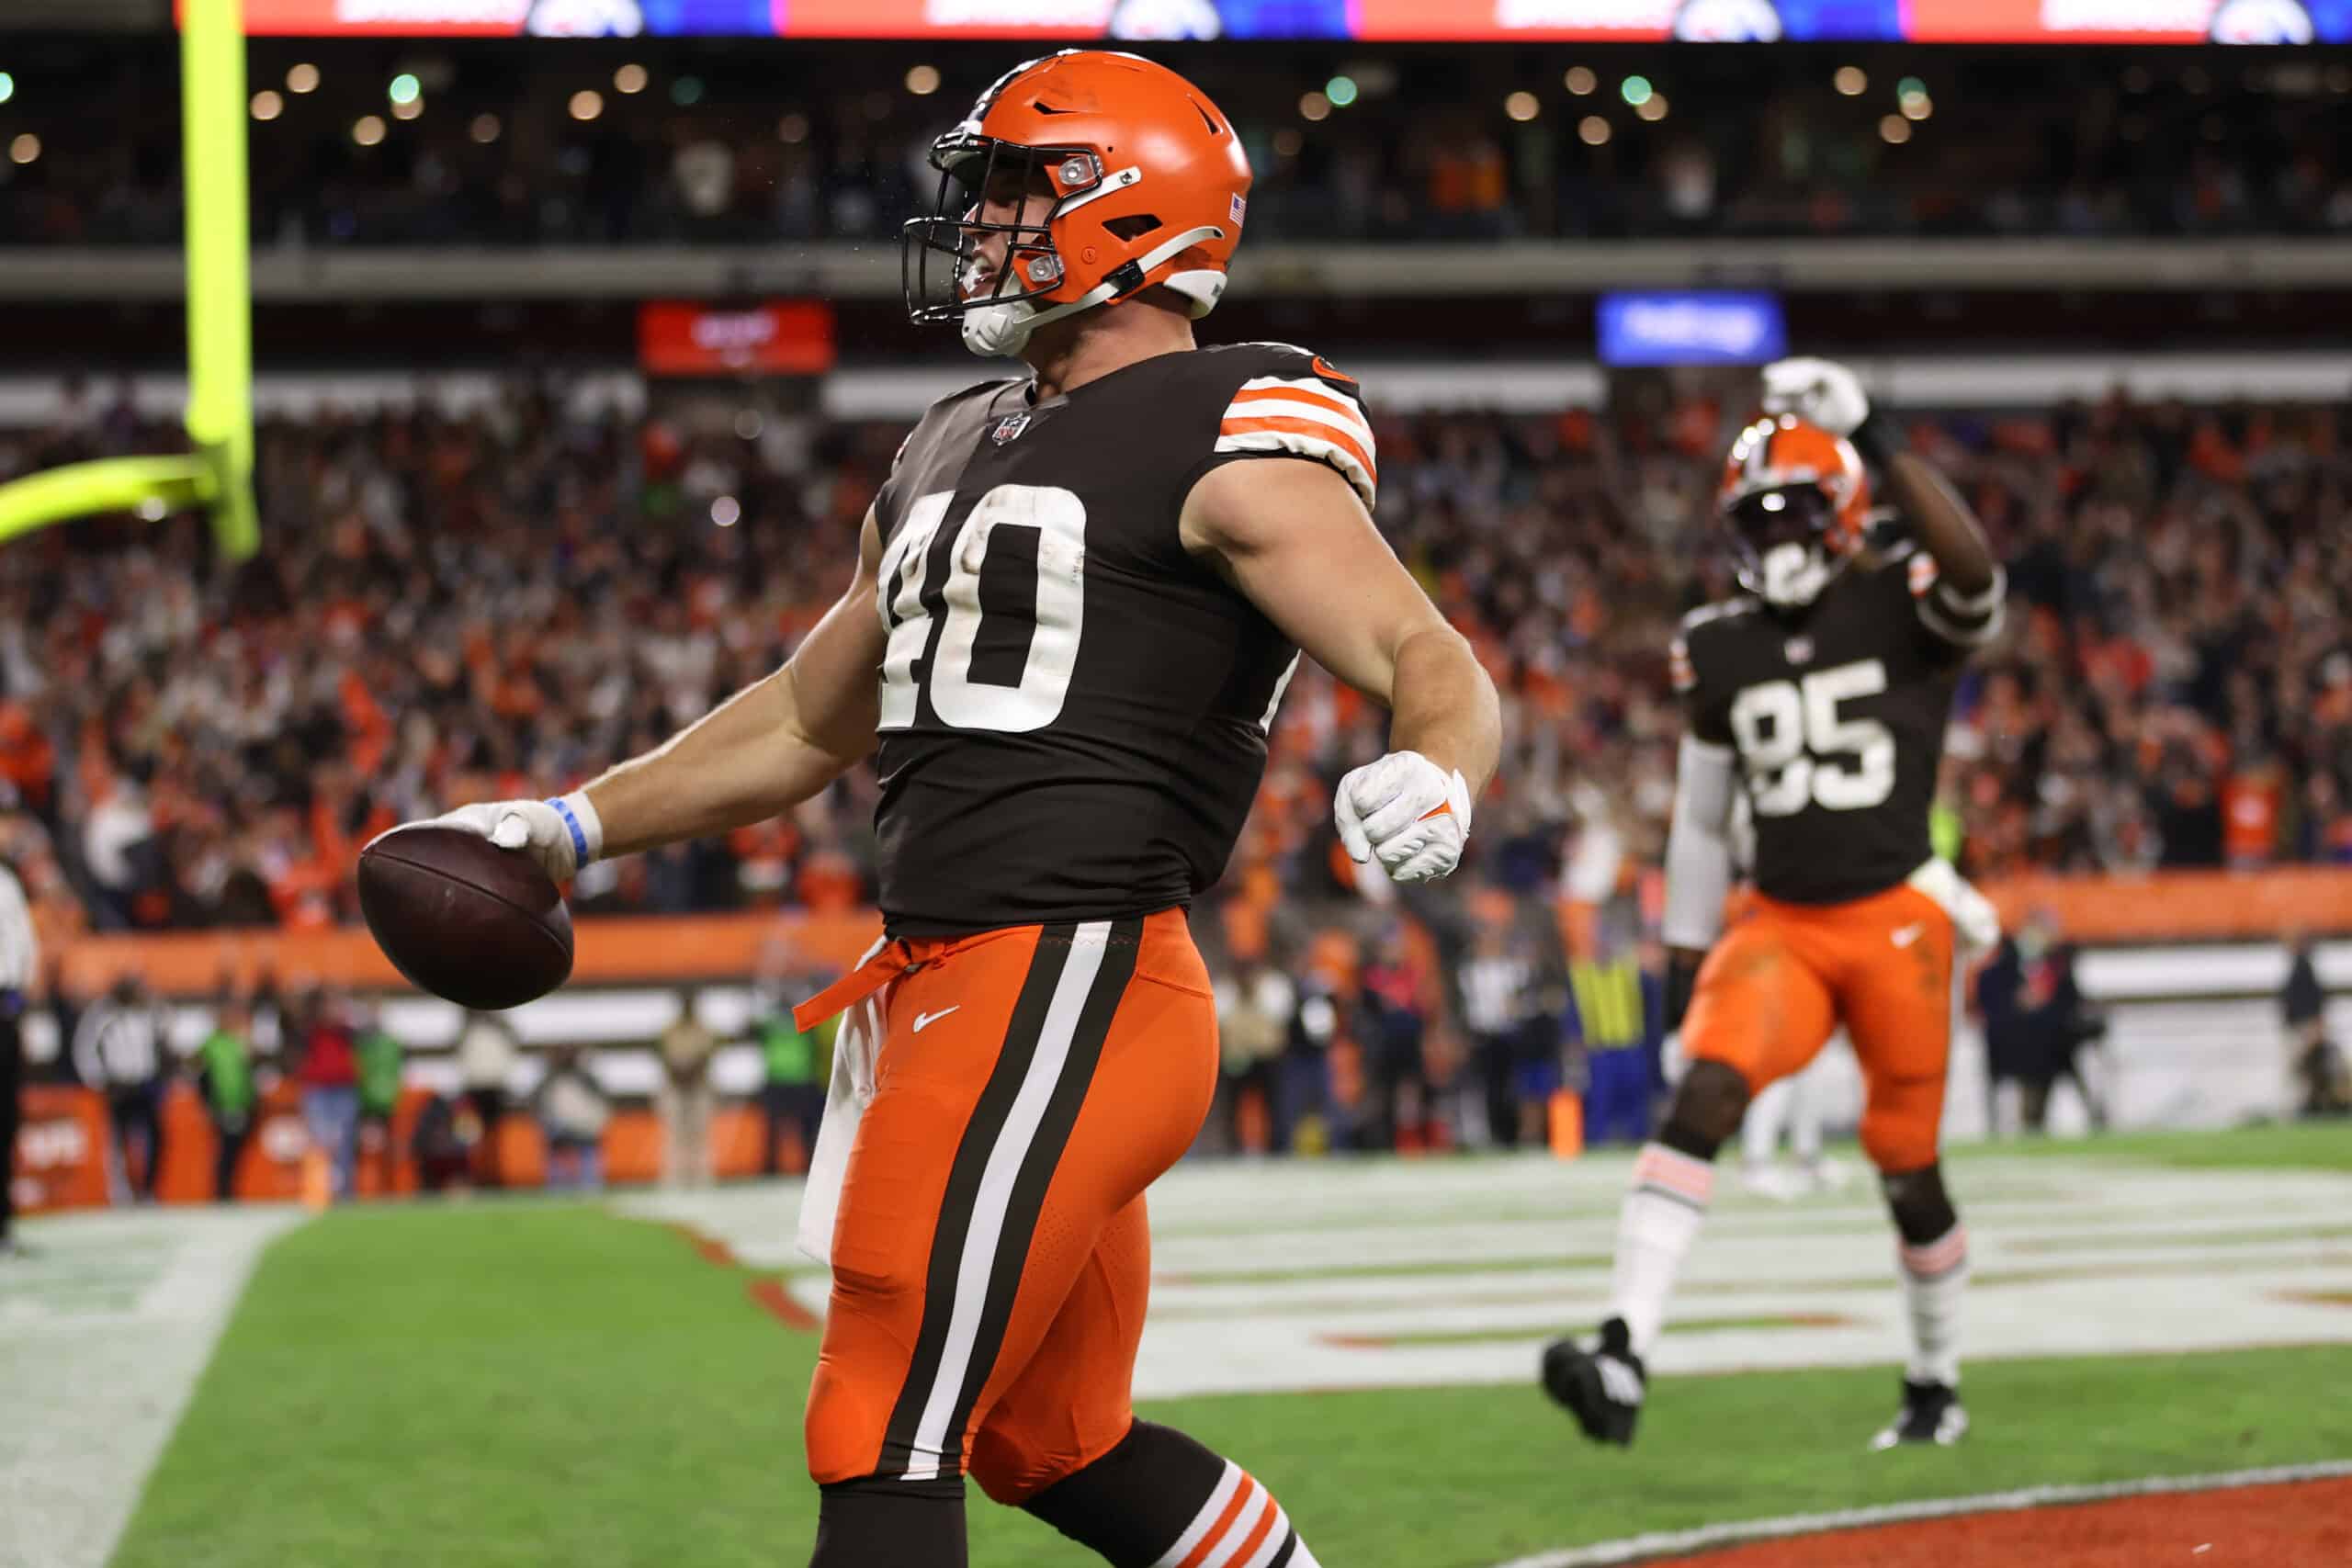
<point>1238,206</point>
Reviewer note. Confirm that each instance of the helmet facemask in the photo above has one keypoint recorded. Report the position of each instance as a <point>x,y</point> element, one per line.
<point>949,270</point>
<point>1783,539</point>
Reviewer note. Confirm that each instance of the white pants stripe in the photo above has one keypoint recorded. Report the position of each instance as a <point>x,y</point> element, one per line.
<point>995,1196</point>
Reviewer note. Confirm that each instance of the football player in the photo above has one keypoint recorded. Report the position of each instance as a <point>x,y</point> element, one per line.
<point>1080,593</point>
<point>1822,693</point>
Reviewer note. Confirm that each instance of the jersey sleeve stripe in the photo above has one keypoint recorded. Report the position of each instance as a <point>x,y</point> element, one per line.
<point>1295,391</point>
<point>1305,438</point>
<point>1292,408</point>
<point>1309,388</point>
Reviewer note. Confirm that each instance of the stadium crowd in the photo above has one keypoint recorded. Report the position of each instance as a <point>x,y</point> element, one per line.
<point>459,606</point>
<point>703,151</point>
<point>463,606</point>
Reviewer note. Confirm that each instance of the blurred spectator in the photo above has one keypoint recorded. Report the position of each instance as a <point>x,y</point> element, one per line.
<point>381,1061</point>
<point>443,1141</point>
<point>224,1070</point>
<point>1254,1008</point>
<point>121,1048</point>
<point>1617,1014</point>
<point>794,1064</point>
<point>2322,1084</point>
<point>328,1069</point>
<point>2037,1023</point>
<point>19,962</point>
<point>488,1053</point>
<point>574,1112</point>
<point>1393,1018</point>
<point>1498,988</point>
<point>686,1047</point>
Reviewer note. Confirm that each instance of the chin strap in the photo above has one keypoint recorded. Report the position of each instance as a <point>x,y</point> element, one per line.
<point>1001,330</point>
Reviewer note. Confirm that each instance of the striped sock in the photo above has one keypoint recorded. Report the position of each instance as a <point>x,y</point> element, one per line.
<point>1934,1275</point>
<point>1240,1525</point>
<point>1654,1230</point>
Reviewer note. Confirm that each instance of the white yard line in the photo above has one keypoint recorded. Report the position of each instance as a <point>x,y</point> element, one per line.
<point>1677,1543</point>
<point>104,1331</point>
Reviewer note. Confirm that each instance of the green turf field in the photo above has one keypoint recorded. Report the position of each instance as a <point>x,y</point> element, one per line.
<point>2286,1146</point>
<point>540,1384</point>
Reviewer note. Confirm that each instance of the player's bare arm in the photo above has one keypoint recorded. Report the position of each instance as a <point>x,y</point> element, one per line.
<point>1295,539</point>
<point>763,750</point>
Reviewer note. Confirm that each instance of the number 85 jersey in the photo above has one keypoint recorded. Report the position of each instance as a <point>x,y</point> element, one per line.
<point>1074,709</point>
<point>1836,714</point>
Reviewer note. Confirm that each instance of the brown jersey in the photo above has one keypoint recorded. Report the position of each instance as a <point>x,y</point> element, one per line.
<point>1836,712</point>
<point>1074,709</point>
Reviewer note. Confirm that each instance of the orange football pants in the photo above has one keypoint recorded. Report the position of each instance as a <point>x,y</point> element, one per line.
<point>1784,976</point>
<point>992,1259</point>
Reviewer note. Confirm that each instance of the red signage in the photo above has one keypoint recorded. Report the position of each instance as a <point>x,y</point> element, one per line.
<point>784,337</point>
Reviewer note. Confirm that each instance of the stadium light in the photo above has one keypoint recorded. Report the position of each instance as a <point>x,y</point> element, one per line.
<point>268,105</point>
<point>793,129</point>
<point>1652,109</point>
<point>406,88</point>
<point>587,104</point>
<point>1288,142</point>
<point>630,78</point>
<point>923,80</point>
<point>1851,79</point>
<point>1919,106</point>
<point>1895,129</point>
<point>686,92</point>
<point>25,149</point>
<point>1592,130</point>
<point>1341,90</point>
<point>1522,106</point>
<point>408,110</point>
<point>726,512</point>
<point>7,86</point>
<point>1580,81</point>
<point>485,128</point>
<point>368,130</point>
<point>748,425</point>
<point>302,78</point>
<point>1313,106</point>
<point>1634,90</point>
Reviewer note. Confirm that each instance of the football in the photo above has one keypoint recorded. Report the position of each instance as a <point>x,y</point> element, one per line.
<point>460,918</point>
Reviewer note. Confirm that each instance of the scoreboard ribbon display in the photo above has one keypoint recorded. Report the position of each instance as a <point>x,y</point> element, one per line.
<point>1458,21</point>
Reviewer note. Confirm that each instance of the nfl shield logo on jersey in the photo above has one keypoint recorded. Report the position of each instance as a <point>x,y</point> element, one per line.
<point>1800,650</point>
<point>1008,427</point>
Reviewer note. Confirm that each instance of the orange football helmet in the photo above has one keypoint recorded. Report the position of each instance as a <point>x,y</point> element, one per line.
<point>1797,502</point>
<point>1148,184</point>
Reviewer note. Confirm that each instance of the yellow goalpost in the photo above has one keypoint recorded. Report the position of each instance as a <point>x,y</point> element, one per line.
<point>219,474</point>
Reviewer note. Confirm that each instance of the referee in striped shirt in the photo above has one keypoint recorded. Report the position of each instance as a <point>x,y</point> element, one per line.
<point>18,955</point>
<point>121,1048</point>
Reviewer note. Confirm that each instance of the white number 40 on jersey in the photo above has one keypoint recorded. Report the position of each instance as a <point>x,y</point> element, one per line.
<point>1058,519</point>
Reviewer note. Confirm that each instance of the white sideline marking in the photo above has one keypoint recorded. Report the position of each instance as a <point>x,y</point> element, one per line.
<point>1664,1543</point>
<point>104,1328</point>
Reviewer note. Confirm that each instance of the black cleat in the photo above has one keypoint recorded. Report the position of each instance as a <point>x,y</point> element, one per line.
<point>1932,1413</point>
<point>1602,1387</point>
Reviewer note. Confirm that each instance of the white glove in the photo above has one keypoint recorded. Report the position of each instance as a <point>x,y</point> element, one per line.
<point>1407,811</point>
<point>562,835</point>
<point>1819,391</point>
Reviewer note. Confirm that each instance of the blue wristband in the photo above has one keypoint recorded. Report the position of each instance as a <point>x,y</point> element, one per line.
<point>578,838</point>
